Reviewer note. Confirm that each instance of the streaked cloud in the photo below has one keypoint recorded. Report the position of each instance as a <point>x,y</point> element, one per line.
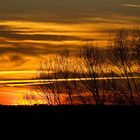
<point>132,5</point>
<point>24,43</point>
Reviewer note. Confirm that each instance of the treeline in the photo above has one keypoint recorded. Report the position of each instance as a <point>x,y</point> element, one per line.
<point>98,76</point>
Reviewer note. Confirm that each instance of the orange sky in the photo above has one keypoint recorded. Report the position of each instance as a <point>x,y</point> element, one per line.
<point>31,30</point>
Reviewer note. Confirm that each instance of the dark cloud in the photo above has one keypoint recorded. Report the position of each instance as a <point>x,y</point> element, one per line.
<point>33,50</point>
<point>19,49</point>
<point>14,59</point>
<point>17,52</point>
<point>17,59</point>
<point>8,33</point>
<point>64,10</point>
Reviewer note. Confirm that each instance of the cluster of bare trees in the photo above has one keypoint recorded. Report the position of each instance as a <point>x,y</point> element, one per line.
<point>96,77</point>
<point>125,57</point>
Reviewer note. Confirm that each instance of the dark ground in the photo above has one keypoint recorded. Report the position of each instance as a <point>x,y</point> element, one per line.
<point>88,122</point>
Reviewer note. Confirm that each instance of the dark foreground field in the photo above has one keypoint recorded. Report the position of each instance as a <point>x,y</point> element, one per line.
<point>87,122</point>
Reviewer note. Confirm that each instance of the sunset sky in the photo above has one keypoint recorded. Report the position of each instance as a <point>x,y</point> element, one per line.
<point>31,30</point>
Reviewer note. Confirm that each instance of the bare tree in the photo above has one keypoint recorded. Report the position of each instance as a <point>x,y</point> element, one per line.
<point>121,56</point>
<point>30,99</point>
<point>92,65</point>
<point>48,89</point>
<point>135,52</point>
<point>54,74</point>
<point>64,69</point>
<point>135,43</point>
<point>116,89</point>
